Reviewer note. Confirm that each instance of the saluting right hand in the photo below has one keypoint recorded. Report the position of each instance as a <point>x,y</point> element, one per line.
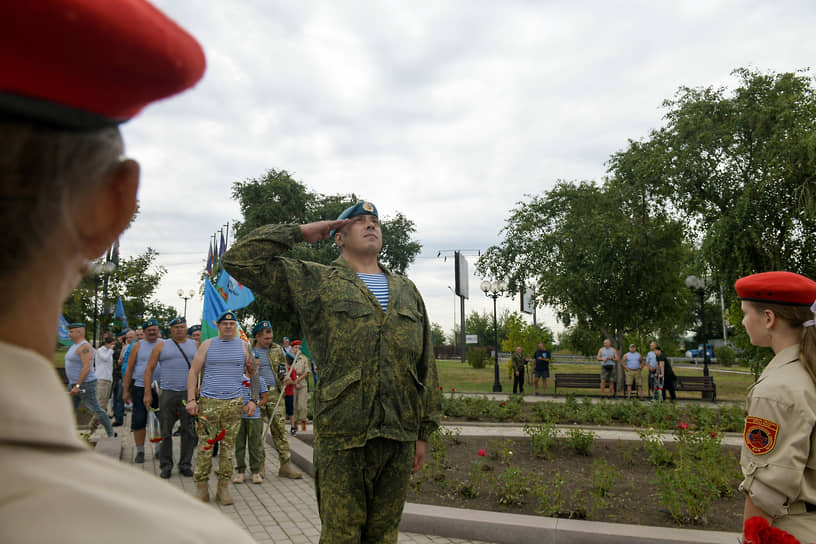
<point>319,230</point>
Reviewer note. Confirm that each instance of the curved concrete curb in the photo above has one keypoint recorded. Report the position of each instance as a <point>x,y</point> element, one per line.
<point>522,529</point>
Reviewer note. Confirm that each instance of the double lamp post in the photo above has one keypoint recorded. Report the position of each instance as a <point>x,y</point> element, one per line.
<point>494,290</point>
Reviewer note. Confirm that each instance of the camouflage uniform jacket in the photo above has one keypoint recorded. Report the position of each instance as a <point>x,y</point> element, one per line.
<point>377,371</point>
<point>276,359</point>
<point>518,361</point>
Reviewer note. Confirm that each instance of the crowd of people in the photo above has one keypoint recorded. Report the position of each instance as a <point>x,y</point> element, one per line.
<point>660,376</point>
<point>156,375</point>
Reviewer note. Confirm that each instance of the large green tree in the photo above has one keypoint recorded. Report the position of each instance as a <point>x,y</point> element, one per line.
<point>740,168</point>
<point>606,255</point>
<point>276,197</point>
<point>526,335</point>
<point>136,280</point>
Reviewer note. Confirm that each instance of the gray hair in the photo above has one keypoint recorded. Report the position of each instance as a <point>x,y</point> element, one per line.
<point>44,173</point>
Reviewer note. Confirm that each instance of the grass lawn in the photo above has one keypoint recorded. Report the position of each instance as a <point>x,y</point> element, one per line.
<point>463,378</point>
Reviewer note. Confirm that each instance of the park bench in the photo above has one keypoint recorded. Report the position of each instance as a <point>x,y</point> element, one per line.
<point>705,384</point>
<point>577,381</point>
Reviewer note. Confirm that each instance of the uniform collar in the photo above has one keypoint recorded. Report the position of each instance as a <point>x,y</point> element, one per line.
<point>36,409</point>
<point>341,262</point>
<point>785,357</point>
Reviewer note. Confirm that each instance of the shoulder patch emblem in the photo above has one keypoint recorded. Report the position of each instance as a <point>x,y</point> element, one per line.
<point>760,435</point>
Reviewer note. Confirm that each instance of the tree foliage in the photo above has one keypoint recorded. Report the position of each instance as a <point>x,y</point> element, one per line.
<point>136,280</point>
<point>740,166</point>
<point>526,335</point>
<point>607,256</point>
<point>276,198</point>
<point>437,334</point>
<point>481,324</point>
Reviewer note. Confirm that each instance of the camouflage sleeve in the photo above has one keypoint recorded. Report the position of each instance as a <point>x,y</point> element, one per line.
<point>432,401</point>
<point>255,261</point>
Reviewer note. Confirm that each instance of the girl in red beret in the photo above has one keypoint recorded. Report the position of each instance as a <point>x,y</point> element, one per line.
<point>777,459</point>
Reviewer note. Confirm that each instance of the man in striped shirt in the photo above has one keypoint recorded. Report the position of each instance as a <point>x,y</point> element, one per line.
<point>377,400</point>
<point>222,360</point>
<point>175,356</point>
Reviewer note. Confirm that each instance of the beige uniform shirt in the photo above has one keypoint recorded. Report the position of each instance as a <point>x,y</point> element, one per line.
<point>53,488</point>
<point>778,455</point>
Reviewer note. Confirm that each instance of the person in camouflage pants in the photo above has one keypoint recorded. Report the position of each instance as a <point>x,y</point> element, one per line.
<point>222,360</point>
<point>377,400</point>
<point>220,414</point>
<point>271,359</point>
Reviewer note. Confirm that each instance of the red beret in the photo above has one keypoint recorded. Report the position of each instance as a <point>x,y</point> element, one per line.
<point>777,287</point>
<point>295,343</point>
<point>88,64</point>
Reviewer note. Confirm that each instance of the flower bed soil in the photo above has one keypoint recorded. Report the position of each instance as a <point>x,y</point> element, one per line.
<point>634,496</point>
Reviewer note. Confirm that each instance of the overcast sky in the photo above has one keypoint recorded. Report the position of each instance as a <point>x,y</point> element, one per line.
<point>449,112</point>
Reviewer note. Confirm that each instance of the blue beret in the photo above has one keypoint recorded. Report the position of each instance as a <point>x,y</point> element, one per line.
<point>263,325</point>
<point>177,320</point>
<point>193,329</point>
<point>361,208</point>
<point>75,325</point>
<point>229,315</point>
<point>149,323</point>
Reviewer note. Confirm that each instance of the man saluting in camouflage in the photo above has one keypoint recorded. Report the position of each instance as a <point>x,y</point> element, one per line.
<point>377,400</point>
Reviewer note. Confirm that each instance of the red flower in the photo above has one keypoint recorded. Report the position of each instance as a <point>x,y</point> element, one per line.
<point>211,441</point>
<point>441,388</point>
<point>154,440</point>
<point>246,383</point>
<point>504,403</point>
<point>220,436</point>
<point>759,531</point>
<point>712,434</point>
<point>682,426</point>
<point>208,447</point>
<point>453,390</point>
<point>481,453</point>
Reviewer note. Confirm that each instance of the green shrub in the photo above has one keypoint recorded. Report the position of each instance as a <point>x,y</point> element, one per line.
<point>542,438</point>
<point>603,476</point>
<point>725,355</point>
<point>580,441</point>
<point>659,455</point>
<point>476,357</point>
<point>511,486</point>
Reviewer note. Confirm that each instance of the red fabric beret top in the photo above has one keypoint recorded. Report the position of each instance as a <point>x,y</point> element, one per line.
<point>777,287</point>
<point>87,64</point>
<point>296,343</point>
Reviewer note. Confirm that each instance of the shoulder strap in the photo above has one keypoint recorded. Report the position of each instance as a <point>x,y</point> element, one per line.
<point>182,352</point>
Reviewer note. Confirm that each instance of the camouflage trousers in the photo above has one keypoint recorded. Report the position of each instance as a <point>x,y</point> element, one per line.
<point>361,491</point>
<point>220,414</point>
<point>249,438</point>
<point>277,427</point>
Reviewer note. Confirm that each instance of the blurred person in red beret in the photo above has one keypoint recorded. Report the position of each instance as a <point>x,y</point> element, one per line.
<point>72,71</point>
<point>778,458</point>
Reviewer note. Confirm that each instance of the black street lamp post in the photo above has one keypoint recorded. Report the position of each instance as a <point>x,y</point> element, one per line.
<point>494,290</point>
<point>190,294</point>
<point>697,285</point>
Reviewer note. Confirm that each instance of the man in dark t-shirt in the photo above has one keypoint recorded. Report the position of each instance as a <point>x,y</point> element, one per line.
<point>666,372</point>
<point>542,367</point>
